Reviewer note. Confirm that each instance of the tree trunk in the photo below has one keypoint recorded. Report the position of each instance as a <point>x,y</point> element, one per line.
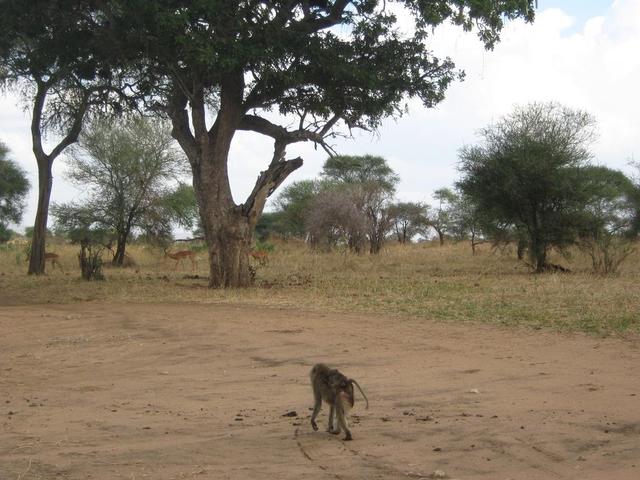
<point>229,237</point>
<point>541,261</point>
<point>538,254</point>
<point>441,237</point>
<point>38,240</point>
<point>398,234</point>
<point>45,179</point>
<point>522,247</point>
<point>123,237</point>
<point>121,245</point>
<point>374,241</point>
<point>228,227</point>
<point>227,230</point>
<point>374,246</point>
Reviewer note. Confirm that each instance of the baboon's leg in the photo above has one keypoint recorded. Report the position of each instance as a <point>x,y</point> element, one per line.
<point>332,428</point>
<point>342,422</point>
<point>336,424</point>
<point>316,409</point>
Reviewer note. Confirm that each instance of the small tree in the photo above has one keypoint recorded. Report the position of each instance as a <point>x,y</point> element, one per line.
<point>271,223</point>
<point>408,220</point>
<point>125,166</point>
<point>441,218</point>
<point>173,208</point>
<point>335,219</point>
<point>634,199</point>
<point>5,233</point>
<point>372,184</point>
<point>529,173</point>
<point>294,206</point>
<point>14,187</point>
<point>82,229</point>
<point>607,235</point>
<point>467,221</point>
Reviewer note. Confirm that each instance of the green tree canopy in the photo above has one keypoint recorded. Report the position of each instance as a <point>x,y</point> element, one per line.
<point>180,206</point>
<point>124,166</point>
<point>14,187</point>
<point>441,218</point>
<point>365,170</point>
<point>533,172</point>
<point>608,221</point>
<point>372,185</point>
<point>409,219</point>
<point>467,221</point>
<point>634,198</point>
<point>294,205</point>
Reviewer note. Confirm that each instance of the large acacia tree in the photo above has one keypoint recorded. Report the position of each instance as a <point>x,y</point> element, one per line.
<point>216,67</point>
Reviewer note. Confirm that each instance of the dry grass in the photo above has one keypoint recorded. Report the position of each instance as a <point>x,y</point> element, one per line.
<point>425,281</point>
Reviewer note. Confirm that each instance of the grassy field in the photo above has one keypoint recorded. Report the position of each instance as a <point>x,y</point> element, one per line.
<point>423,280</point>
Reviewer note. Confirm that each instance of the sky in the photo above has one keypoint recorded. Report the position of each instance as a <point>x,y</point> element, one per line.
<point>581,53</point>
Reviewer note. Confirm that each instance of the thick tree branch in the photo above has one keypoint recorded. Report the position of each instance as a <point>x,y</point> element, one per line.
<point>280,134</point>
<point>198,111</point>
<point>176,109</point>
<point>76,126</point>
<point>42,89</point>
<point>36,120</point>
<point>268,181</point>
<point>280,169</point>
<point>231,108</point>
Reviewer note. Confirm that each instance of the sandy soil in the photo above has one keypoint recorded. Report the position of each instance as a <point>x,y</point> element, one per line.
<point>195,391</point>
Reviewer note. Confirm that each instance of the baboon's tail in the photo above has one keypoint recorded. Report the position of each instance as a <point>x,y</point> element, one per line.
<point>351,380</point>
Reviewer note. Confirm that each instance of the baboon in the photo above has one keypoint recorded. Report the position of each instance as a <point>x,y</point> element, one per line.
<point>337,390</point>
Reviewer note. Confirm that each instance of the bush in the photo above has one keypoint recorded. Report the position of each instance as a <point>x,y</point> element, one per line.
<point>91,261</point>
<point>607,251</point>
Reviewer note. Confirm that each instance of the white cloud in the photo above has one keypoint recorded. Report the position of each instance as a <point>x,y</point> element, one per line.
<point>593,66</point>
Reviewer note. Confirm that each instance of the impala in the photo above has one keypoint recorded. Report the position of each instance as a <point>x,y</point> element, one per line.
<point>260,256</point>
<point>53,258</point>
<point>178,256</point>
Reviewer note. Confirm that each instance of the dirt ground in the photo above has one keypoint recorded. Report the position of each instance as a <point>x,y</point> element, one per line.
<point>93,391</point>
